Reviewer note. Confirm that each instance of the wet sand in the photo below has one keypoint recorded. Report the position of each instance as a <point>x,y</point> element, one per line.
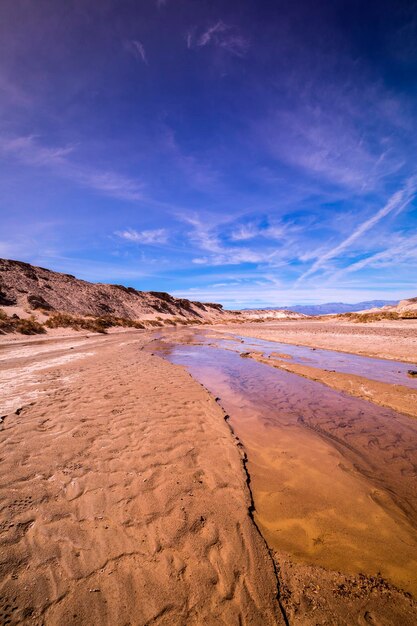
<point>333,480</point>
<point>375,369</point>
<point>124,496</point>
<point>397,397</point>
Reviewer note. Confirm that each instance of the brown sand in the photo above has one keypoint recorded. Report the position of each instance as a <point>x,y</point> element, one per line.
<point>386,339</point>
<point>124,498</point>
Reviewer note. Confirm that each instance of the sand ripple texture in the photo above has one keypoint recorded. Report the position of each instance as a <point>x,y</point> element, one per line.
<point>124,501</point>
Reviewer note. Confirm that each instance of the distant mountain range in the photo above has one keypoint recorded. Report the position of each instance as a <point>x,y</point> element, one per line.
<point>339,307</point>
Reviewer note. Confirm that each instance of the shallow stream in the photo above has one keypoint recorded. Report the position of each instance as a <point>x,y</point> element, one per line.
<point>333,477</point>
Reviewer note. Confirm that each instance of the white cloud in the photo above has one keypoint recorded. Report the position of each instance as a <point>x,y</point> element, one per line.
<point>245,232</point>
<point>148,237</point>
<point>233,257</point>
<point>403,251</point>
<point>204,236</point>
<point>220,35</point>
<point>30,152</point>
<point>137,49</point>
<point>252,230</point>
<point>324,130</point>
<point>397,202</point>
<point>208,35</point>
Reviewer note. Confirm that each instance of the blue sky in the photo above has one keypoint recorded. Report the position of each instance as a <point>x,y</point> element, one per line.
<point>250,153</point>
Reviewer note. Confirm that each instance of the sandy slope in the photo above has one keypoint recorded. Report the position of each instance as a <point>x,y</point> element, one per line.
<point>27,288</point>
<point>123,499</point>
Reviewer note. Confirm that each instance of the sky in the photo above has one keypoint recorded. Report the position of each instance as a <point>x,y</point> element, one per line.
<point>246,152</point>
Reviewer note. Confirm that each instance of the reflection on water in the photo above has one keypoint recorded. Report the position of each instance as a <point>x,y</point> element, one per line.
<point>333,477</point>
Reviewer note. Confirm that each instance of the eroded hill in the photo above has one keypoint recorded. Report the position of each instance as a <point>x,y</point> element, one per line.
<point>28,290</point>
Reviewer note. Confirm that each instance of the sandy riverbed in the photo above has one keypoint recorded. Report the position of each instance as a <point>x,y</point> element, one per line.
<point>386,339</point>
<point>125,498</point>
<point>332,479</point>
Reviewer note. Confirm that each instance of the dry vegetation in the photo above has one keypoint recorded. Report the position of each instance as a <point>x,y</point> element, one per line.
<point>376,316</point>
<point>30,326</point>
<point>15,324</point>
<point>93,324</point>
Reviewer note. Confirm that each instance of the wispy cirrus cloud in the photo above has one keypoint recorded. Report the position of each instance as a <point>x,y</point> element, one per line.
<point>211,33</point>
<point>137,50</point>
<point>219,35</point>
<point>327,146</point>
<point>396,203</point>
<point>244,232</point>
<point>148,237</point>
<point>253,230</point>
<point>29,151</point>
<point>206,238</point>
<point>403,251</point>
<point>322,126</point>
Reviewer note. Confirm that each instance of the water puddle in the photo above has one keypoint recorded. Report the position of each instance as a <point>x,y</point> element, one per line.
<point>334,478</point>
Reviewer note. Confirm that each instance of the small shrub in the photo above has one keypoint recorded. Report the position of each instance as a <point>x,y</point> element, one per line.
<point>65,320</point>
<point>92,324</point>
<point>137,324</point>
<point>374,317</point>
<point>16,324</point>
<point>62,320</point>
<point>154,323</point>
<point>364,318</point>
<point>29,326</point>
<point>169,321</point>
<point>408,315</point>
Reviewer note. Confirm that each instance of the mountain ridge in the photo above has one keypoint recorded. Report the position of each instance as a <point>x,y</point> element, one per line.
<point>333,307</point>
